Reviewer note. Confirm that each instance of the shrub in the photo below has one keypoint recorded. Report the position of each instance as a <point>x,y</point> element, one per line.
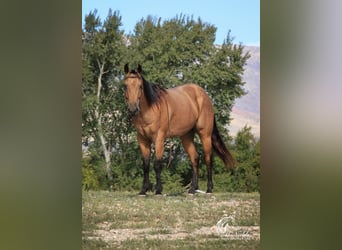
<point>89,177</point>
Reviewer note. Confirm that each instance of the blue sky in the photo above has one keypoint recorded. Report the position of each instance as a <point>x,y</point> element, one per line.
<point>242,17</point>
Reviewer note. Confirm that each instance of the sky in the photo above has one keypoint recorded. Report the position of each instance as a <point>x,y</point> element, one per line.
<point>242,17</point>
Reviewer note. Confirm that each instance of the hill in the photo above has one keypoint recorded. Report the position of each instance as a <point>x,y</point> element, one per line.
<point>247,108</point>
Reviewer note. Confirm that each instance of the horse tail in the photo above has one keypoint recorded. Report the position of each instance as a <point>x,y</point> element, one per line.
<point>221,149</point>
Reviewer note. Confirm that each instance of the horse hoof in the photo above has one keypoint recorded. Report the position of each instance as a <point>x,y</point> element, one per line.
<point>191,193</point>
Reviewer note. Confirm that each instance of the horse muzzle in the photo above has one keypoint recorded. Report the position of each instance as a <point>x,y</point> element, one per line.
<point>133,109</point>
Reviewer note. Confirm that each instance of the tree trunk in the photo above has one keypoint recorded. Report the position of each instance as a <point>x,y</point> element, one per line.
<point>107,153</point>
<point>106,149</point>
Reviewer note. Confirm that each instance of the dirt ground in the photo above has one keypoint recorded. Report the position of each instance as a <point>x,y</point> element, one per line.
<point>118,218</point>
<point>118,235</point>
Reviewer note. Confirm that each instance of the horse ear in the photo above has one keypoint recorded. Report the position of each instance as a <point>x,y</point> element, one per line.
<point>139,69</point>
<point>126,68</point>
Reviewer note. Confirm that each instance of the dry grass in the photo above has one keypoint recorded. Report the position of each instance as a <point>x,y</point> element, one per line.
<point>125,220</point>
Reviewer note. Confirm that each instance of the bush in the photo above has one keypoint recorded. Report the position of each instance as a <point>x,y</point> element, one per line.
<point>128,173</point>
<point>172,184</point>
<point>89,177</point>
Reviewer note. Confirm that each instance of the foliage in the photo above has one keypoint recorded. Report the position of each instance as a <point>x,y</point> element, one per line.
<point>182,50</point>
<point>172,52</point>
<point>246,177</point>
<point>89,177</point>
<point>93,173</point>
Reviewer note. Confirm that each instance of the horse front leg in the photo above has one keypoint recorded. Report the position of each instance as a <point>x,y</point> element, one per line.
<point>159,147</point>
<point>157,169</point>
<point>146,181</point>
<point>145,148</point>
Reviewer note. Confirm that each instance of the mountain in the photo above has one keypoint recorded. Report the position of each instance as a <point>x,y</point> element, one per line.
<point>246,110</point>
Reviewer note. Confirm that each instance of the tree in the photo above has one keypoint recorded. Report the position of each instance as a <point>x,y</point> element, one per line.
<point>182,50</point>
<point>172,52</point>
<point>102,51</point>
<point>247,174</point>
<point>225,70</point>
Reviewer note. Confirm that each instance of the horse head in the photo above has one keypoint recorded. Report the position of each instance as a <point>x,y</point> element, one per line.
<point>133,88</point>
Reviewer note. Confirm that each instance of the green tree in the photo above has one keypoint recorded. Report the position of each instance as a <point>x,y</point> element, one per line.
<point>225,70</point>
<point>247,153</point>
<point>103,47</point>
<point>182,50</point>
<point>172,52</point>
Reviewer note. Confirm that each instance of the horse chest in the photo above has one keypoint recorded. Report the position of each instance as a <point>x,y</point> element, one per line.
<point>146,128</point>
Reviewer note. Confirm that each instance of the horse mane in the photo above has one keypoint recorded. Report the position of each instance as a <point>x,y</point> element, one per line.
<point>153,92</point>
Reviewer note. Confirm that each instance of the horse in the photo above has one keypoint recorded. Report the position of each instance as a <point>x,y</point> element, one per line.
<point>158,113</point>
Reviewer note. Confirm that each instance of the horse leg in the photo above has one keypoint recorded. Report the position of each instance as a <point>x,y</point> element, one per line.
<point>207,148</point>
<point>189,146</point>
<point>145,148</point>
<point>159,147</point>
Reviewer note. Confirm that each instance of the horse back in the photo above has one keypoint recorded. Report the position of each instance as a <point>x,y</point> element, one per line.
<point>190,94</point>
<point>188,104</point>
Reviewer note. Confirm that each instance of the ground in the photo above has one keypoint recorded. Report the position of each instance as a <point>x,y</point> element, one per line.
<point>114,220</point>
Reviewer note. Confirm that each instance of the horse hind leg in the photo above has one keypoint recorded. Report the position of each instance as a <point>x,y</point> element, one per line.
<point>189,146</point>
<point>204,128</point>
<point>159,147</point>
<point>207,148</point>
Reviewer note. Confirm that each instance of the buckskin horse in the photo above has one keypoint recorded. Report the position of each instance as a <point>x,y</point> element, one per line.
<point>159,113</point>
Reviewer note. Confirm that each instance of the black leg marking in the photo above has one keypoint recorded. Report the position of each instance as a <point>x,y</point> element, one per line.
<point>158,168</point>
<point>210,177</point>
<point>146,182</point>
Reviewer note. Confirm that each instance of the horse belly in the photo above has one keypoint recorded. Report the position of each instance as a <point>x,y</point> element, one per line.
<point>182,121</point>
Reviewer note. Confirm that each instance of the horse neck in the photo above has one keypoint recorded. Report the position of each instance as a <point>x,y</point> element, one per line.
<point>143,104</point>
<point>147,109</point>
<point>148,102</point>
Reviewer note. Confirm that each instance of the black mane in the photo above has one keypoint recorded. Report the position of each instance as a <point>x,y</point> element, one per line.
<point>152,92</point>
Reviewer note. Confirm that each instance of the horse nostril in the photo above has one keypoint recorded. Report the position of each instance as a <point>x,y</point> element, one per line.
<point>133,113</point>
<point>133,109</point>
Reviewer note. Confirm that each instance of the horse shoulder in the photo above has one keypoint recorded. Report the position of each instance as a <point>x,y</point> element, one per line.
<point>147,124</point>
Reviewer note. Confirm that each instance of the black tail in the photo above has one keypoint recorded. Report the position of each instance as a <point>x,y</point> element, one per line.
<point>220,148</point>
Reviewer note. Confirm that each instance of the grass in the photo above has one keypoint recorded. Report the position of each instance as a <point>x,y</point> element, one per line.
<point>123,220</point>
